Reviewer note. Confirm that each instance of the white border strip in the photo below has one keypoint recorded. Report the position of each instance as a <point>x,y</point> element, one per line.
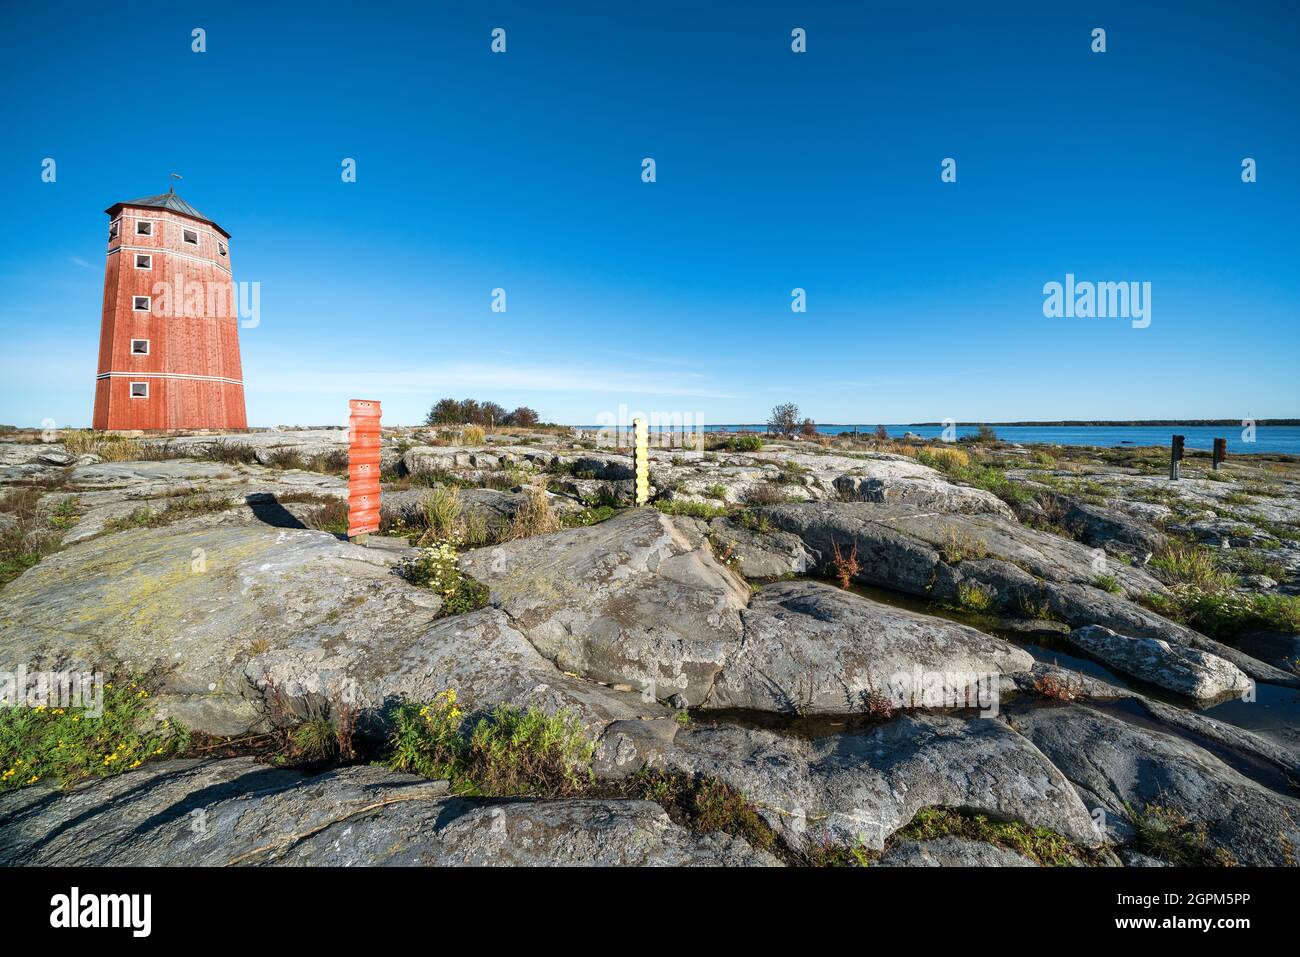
<point>163,250</point>
<point>167,375</point>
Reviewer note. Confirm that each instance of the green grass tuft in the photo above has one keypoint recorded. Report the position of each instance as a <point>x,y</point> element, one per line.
<point>509,753</point>
<point>679,506</point>
<point>1226,614</point>
<point>1171,836</point>
<point>436,568</point>
<point>1039,844</point>
<point>67,745</point>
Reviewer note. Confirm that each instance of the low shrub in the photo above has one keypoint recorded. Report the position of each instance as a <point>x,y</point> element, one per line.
<point>679,506</point>
<point>331,517</point>
<point>534,516</point>
<point>959,545</point>
<point>442,512</point>
<point>742,443</point>
<point>1108,583</point>
<point>109,448</point>
<point>1225,614</point>
<point>588,516</point>
<point>766,493</point>
<point>1171,836</point>
<point>702,803</point>
<point>1192,565</point>
<point>510,752</point>
<point>33,531</point>
<point>69,744</point>
<point>1057,687</point>
<point>232,453</point>
<point>1046,847</point>
<point>176,509</point>
<point>974,598</point>
<point>435,568</point>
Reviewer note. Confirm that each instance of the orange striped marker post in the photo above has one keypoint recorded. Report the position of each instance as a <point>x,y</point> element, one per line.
<point>363,469</point>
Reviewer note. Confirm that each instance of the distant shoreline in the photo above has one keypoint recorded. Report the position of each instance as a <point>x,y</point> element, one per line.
<point>1116,423</point>
<point>1056,424</point>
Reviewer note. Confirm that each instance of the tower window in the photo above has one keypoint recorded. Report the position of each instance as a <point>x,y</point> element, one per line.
<point>140,303</point>
<point>190,236</point>
<point>139,390</point>
<point>221,247</point>
<point>143,227</point>
<point>139,347</point>
<point>112,231</point>
<point>143,261</point>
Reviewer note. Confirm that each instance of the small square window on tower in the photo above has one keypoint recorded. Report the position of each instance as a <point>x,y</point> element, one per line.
<point>143,227</point>
<point>139,390</point>
<point>139,347</point>
<point>140,303</point>
<point>112,231</point>
<point>190,236</point>
<point>143,261</point>
<point>221,247</point>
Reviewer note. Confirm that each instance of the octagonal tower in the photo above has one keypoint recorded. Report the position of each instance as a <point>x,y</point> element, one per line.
<point>169,340</point>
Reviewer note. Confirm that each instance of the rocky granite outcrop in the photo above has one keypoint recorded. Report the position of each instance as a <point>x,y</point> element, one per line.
<point>593,601</point>
<point>1188,671</point>
<point>861,788</point>
<point>934,554</point>
<point>813,648</point>
<point>237,812</point>
<point>771,554</point>
<point>935,494</point>
<point>1126,770</point>
<point>238,608</point>
<point>951,852</point>
<point>225,609</point>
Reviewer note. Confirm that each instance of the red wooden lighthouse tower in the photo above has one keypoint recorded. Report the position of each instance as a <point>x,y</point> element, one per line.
<point>169,342</point>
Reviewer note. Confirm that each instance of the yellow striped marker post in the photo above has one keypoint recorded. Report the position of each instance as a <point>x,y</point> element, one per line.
<point>641,452</point>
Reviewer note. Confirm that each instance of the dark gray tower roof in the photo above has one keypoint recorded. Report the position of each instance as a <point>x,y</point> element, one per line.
<point>168,201</point>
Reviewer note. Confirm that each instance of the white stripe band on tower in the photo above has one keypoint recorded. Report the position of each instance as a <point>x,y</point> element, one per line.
<point>168,375</point>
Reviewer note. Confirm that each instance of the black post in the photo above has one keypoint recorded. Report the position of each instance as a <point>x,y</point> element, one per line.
<point>1220,452</point>
<point>1175,456</point>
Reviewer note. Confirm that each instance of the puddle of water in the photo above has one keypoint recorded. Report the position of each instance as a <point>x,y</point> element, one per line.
<point>1258,770</point>
<point>1054,656</point>
<point>813,726</point>
<point>919,605</point>
<point>1275,712</point>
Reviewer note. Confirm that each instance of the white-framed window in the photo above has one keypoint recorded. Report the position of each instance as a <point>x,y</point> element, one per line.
<point>143,227</point>
<point>143,260</point>
<point>140,303</point>
<point>112,230</point>
<point>190,236</point>
<point>139,390</point>
<point>139,347</point>
<point>221,247</point>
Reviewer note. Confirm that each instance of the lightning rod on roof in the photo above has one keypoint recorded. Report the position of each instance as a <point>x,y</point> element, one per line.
<point>171,188</point>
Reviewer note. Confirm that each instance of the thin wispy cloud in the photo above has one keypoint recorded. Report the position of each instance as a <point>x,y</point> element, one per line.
<point>458,377</point>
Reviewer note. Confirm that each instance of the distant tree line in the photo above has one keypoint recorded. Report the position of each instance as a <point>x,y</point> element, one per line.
<point>473,412</point>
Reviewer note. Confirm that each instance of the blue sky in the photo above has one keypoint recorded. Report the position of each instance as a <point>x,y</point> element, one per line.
<point>775,171</point>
